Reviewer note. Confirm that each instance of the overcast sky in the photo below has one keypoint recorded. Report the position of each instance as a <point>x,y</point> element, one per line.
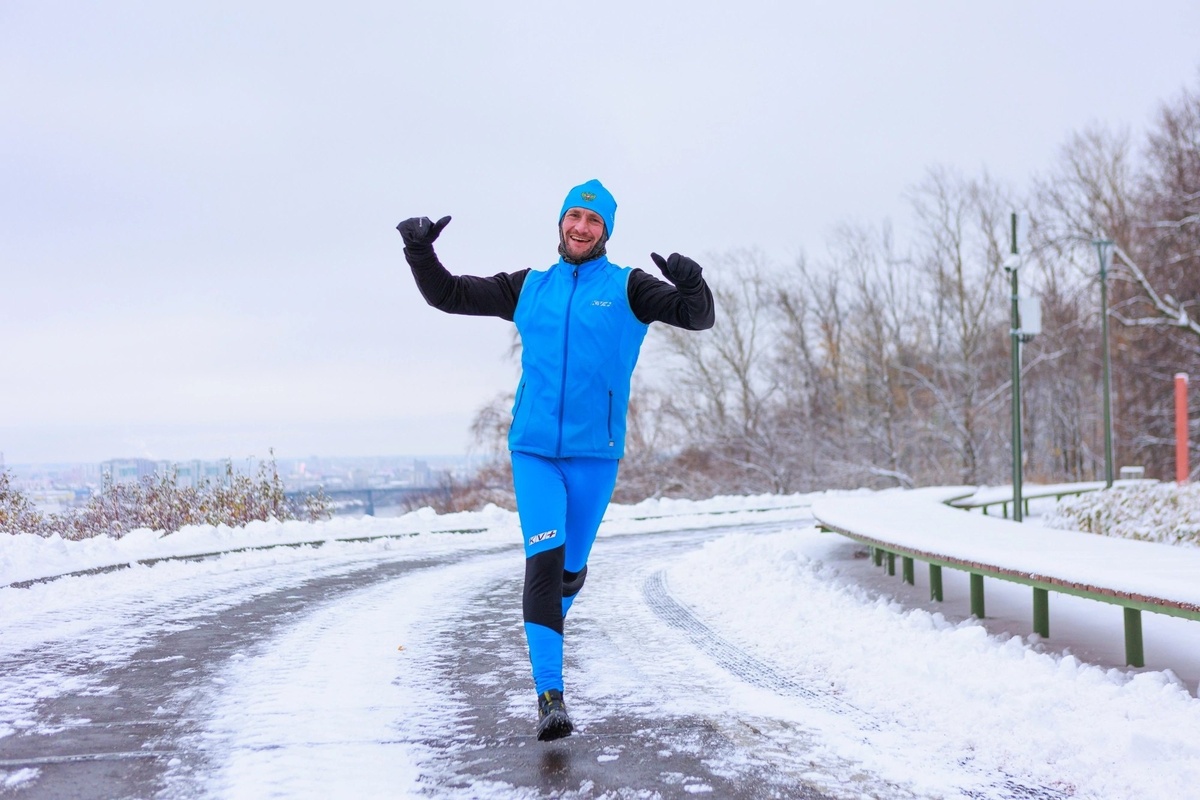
<point>198,200</point>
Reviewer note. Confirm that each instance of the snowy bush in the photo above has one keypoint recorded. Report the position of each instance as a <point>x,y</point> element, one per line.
<point>16,513</point>
<point>1152,512</point>
<point>161,504</point>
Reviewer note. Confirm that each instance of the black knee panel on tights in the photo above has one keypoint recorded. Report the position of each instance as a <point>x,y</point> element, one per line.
<point>573,581</point>
<point>542,600</point>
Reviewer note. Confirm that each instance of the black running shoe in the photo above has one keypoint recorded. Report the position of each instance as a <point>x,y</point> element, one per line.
<point>553,722</point>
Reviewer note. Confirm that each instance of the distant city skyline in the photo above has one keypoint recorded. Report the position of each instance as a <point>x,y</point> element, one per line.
<point>197,230</point>
<point>58,487</point>
<point>251,461</point>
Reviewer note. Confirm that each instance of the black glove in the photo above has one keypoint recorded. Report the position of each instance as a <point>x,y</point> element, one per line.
<point>679,270</point>
<point>419,231</point>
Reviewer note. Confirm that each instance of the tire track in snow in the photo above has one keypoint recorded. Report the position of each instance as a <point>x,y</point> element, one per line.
<point>634,747</point>
<point>750,669</point>
<point>760,674</point>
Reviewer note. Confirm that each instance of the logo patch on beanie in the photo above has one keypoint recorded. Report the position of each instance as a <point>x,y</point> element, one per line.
<point>588,196</point>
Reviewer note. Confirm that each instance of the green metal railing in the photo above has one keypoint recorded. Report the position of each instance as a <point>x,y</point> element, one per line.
<point>1033,492</point>
<point>886,552</point>
<point>1004,504</point>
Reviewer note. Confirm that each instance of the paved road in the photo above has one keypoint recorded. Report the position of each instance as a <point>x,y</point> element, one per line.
<point>636,749</point>
<point>136,714</point>
<point>137,729</point>
<point>148,713</point>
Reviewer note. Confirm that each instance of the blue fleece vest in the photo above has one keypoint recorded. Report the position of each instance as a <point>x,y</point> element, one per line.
<point>579,344</point>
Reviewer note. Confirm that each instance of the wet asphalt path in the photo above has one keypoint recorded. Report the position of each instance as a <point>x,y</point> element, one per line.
<point>121,736</point>
<point>116,738</point>
<point>640,751</point>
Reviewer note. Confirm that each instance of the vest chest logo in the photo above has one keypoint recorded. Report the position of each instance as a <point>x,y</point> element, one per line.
<point>602,303</point>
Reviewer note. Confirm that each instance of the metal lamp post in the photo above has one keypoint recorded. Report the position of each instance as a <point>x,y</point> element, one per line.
<point>1026,323</point>
<point>1102,250</point>
<point>1011,265</point>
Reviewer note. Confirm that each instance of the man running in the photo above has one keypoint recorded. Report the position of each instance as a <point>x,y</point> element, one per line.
<point>581,323</point>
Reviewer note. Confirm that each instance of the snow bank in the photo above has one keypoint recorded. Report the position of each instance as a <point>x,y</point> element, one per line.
<point>944,693</point>
<point>27,557</point>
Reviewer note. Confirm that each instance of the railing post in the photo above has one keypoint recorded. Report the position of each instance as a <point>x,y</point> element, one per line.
<point>935,582</point>
<point>877,556</point>
<point>891,563</point>
<point>1134,654</point>
<point>977,595</point>
<point>906,566</point>
<point>1041,612</point>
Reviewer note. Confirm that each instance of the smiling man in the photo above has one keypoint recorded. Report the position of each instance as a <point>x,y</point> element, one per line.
<point>581,236</point>
<point>581,322</point>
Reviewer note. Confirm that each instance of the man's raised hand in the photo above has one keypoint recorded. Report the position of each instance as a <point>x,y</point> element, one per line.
<point>419,231</point>
<point>679,270</point>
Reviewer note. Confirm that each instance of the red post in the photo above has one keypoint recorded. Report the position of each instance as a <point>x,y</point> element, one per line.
<point>1181,428</point>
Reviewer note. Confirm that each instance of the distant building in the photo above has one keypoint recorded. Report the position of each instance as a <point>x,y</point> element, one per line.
<point>129,470</point>
<point>186,473</point>
<point>192,474</point>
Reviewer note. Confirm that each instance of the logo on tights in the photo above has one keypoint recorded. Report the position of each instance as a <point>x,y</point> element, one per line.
<point>541,537</point>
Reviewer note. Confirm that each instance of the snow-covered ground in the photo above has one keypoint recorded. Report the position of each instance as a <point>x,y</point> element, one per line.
<point>885,694</point>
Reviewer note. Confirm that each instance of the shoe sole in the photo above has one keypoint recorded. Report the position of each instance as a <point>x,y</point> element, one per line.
<point>556,725</point>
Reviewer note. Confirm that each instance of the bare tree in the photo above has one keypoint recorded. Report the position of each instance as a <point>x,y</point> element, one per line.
<point>1150,209</point>
<point>880,323</point>
<point>1157,278</point>
<point>961,241</point>
<point>1085,196</point>
<point>1165,287</point>
<point>727,378</point>
<point>814,415</point>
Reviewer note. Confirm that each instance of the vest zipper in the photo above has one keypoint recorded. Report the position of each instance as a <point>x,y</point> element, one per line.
<point>520,396</point>
<point>610,436</point>
<point>562,395</point>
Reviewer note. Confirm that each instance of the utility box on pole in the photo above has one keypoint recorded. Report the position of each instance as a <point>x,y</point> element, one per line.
<point>1030,311</point>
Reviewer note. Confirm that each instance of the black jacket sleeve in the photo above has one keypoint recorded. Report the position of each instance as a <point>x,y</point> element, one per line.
<point>464,294</point>
<point>652,300</point>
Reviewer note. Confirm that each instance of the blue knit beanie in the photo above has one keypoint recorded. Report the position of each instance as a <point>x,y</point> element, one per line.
<point>594,197</point>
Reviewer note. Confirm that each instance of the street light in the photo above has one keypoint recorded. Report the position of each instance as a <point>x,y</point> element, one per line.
<point>1102,250</point>
<point>1026,323</point>
<point>1011,265</point>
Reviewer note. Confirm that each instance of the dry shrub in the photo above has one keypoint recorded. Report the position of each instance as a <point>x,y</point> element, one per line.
<point>17,515</point>
<point>161,504</point>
